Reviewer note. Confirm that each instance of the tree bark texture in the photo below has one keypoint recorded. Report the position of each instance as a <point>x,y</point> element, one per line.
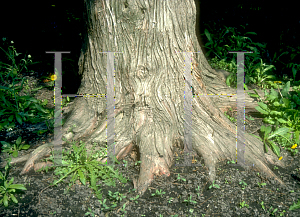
<point>150,88</point>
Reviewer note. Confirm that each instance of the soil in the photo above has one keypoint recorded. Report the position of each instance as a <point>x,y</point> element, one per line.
<point>236,185</point>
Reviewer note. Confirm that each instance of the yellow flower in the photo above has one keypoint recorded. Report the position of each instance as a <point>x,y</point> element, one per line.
<point>280,158</point>
<point>53,77</point>
<point>294,146</point>
<point>277,82</point>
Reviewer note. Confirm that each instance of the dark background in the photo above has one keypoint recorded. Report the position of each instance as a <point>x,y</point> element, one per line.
<point>39,26</point>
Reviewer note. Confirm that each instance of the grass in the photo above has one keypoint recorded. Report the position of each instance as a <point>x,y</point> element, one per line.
<point>279,109</point>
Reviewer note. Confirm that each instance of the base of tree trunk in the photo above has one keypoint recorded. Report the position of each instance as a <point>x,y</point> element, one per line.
<point>214,136</point>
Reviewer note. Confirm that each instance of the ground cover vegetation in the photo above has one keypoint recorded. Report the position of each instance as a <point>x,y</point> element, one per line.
<point>279,130</point>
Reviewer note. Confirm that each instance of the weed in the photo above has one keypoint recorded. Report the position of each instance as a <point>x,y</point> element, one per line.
<point>189,200</point>
<point>158,193</point>
<point>79,166</point>
<point>214,185</point>
<point>244,184</point>
<point>180,178</point>
<point>7,189</point>
<point>243,204</point>
<point>14,148</point>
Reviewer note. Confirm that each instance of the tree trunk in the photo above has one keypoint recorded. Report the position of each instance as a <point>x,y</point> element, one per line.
<point>149,88</point>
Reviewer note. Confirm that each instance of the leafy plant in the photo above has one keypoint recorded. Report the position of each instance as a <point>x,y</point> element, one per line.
<point>65,102</point>
<point>15,108</point>
<point>170,200</point>
<point>243,204</point>
<point>249,117</point>
<point>135,198</point>
<point>158,192</point>
<point>189,200</point>
<point>105,206</point>
<point>137,162</point>
<point>262,205</point>
<point>279,111</point>
<point>273,212</point>
<point>244,184</point>
<point>116,196</point>
<point>14,148</point>
<point>198,190</point>
<point>220,46</point>
<point>261,184</point>
<point>90,212</point>
<point>268,135</point>
<point>295,206</point>
<point>232,119</point>
<point>231,162</point>
<point>179,178</point>
<point>260,74</point>
<point>294,51</point>
<point>7,189</point>
<point>214,185</point>
<point>79,166</point>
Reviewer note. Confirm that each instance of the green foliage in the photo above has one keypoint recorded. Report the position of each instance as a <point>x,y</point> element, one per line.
<point>158,193</point>
<point>15,108</point>
<point>180,178</point>
<point>214,185</point>
<point>243,204</point>
<point>116,196</point>
<point>244,184</point>
<point>65,102</point>
<point>260,74</point>
<point>256,71</point>
<point>261,184</point>
<point>279,110</point>
<point>190,201</point>
<point>76,164</point>
<point>295,206</point>
<point>232,119</point>
<point>14,148</point>
<point>7,188</point>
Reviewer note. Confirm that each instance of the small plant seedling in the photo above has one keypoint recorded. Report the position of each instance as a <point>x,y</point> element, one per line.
<point>170,200</point>
<point>214,185</point>
<point>189,200</point>
<point>138,162</point>
<point>14,148</point>
<point>243,183</point>
<point>231,162</point>
<point>243,204</point>
<point>179,178</point>
<point>273,212</point>
<point>135,198</point>
<point>261,184</point>
<point>7,189</point>
<point>198,190</point>
<point>90,213</point>
<point>158,192</point>
<point>116,196</point>
<point>295,206</point>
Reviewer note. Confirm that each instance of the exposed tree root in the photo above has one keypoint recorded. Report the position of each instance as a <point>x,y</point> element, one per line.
<point>213,134</point>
